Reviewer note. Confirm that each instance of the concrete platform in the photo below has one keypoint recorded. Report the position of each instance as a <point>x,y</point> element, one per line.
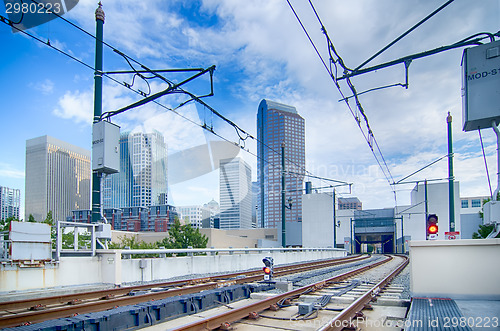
<point>483,312</point>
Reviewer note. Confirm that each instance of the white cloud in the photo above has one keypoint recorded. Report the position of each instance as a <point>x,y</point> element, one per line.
<point>77,106</point>
<point>8,171</point>
<point>46,86</point>
<point>261,52</point>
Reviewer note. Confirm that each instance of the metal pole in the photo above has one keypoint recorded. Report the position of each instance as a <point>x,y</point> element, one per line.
<point>352,242</point>
<point>334,223</point>
<point>402,235</point>
<point>96,176</point>
<point>497,132</point>
<point>450,176</point>
<point>283,187</point>
<point>426,207</point>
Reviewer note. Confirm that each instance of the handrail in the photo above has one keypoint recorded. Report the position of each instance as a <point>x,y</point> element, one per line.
<point>219,250</point>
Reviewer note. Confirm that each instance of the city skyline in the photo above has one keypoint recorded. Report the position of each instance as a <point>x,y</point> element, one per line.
<point>260,51</point>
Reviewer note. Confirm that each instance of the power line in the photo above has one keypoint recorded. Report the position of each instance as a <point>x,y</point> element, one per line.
<point>242,134</point>
<point>368,136</point>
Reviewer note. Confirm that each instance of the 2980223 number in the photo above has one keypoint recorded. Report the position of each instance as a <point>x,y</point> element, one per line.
<point>477,322</point>
<point>32,8</point>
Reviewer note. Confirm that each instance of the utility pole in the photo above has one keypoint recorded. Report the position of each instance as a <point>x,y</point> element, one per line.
<point>450,176</point>
<point>334,223</point>
<point>283,207</point>
<point>96,176</point>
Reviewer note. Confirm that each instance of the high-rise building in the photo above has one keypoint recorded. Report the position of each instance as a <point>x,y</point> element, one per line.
<point>279,124</point>
<point>58,178</point>
<point>142,180</point>
<point>195,215</point>
<point>235,194</point>
<point>10,202</point>
<point>350,203</point>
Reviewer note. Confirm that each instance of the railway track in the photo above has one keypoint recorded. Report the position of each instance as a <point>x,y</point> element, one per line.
<point>36,310</point>
<point>280,311</point>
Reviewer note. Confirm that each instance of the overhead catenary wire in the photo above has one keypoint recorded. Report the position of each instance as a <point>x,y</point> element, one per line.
<point>242,134</point>
<point>368,136</point>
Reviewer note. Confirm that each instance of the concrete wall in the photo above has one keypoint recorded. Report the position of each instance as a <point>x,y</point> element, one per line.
<point>457,269</point>
<point>108,268</point>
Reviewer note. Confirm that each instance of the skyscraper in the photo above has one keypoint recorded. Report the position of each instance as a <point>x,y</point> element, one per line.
<point>279,124</point>
<point>10,202</point>
<point>57,178</point>
<point>142,180</point>
<point>235,194</point>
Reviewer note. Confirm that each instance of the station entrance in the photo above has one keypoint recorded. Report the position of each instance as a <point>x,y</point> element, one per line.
<point>373,235</point>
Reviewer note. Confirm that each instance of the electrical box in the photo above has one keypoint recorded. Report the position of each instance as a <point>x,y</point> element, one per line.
<point>103,231</point>
<point>491,212</point>
<point>306,308</point>
<point>481,86</point>
<point>30,241</point>
<point>106,147</point>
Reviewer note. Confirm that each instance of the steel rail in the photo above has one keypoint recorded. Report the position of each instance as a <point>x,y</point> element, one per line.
<point>113,292</point>
<point>111,301</point>
<point>345,317</point>
<point>224,320</point>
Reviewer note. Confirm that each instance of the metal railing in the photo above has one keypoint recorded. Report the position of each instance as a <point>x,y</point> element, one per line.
<point>127,253</point>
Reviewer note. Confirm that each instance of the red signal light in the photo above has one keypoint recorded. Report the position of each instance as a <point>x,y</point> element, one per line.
<point>266,270</point>
<point>432,229</point>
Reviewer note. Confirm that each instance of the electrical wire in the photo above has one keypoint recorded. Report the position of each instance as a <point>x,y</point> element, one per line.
<point>242,134</point>
<point>485,163</point>
<point>369,136</point>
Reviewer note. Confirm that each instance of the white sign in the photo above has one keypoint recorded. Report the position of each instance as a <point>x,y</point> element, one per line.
<point>452,235</point>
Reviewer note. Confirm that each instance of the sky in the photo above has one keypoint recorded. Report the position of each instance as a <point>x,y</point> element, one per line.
<point>260,51</point>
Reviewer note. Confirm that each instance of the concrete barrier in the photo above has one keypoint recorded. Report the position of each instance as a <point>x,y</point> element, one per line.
<point>107,267</point>
<point>457,269</point>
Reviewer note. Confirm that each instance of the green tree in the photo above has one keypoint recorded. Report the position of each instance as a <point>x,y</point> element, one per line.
<point>31,218</point>
<point>4,224</point>
<point>183,236</point>
<point>48,219</point>
<point>133,243</point>
<point>484,231</point>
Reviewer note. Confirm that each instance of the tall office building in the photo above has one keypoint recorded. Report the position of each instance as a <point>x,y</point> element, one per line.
<point>10,202</point>
<point>278,124</point>
<point>235,194</point>
<point>58,178</point>
<point>142,180</point>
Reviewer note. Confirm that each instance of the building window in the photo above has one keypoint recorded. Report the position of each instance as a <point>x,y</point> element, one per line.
<point>465,203</point>
<point>476,203</point>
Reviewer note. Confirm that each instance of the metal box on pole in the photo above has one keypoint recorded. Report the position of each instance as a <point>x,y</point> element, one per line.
<point>105,147</point>
<point>481,86</point>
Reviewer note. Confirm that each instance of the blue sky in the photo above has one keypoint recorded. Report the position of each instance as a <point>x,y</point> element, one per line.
<point>260,52</point>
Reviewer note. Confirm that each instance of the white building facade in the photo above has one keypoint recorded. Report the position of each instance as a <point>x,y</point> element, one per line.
<point>58,177</point>
<point>317,220</point>
<point>10,202</point>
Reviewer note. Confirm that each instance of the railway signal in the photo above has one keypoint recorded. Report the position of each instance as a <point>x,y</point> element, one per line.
<point>268,268</point>
<point>432,227</point>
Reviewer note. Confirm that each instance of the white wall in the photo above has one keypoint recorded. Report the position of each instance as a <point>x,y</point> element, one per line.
<point>457,269</point>
<point>438,203</point>
<point>108,268</point>
<point>317,220</point>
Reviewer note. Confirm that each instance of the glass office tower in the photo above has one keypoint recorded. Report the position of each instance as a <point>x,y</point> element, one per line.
<point>142,180</point>
<point>235,194</point>
<point>279,124</point>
